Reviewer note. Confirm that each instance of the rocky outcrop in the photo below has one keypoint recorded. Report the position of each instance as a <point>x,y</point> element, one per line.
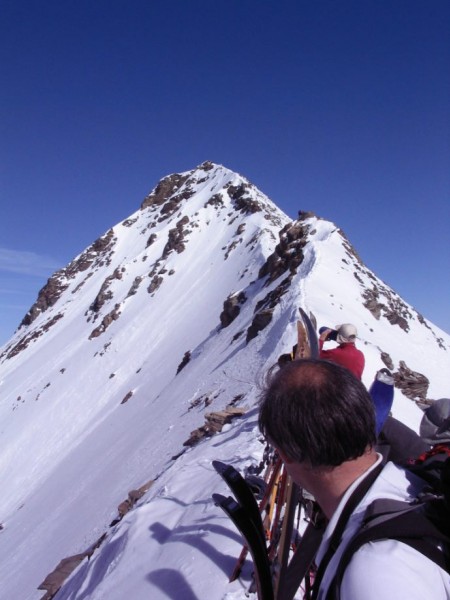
<point>155,284</point>
<point>133,496</point>
<point>232,308</point>
<point>414,385</point>
<point>242,198</point>
<point>106,322</point>
<point>105,293</point>
<point>176,238</point>
<point>65,567</point>
<point>216,201</point>
<point>151,240</point>
<point>25,341</point>
<point>372,303</point>
<point>98,253</point>
<point>166,188</point>
<point>384,302</point>
<point>214,423</point>
<point>135,286</point>
<point>47,297</point>
<point>286,258</point>
<point>127,396</point>
<point>185,360</point>
<point>288,254</point>
<point>387,360</point>
<point>260,322</point>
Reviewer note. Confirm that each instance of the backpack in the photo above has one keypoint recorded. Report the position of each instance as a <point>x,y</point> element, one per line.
<point>423,524</point>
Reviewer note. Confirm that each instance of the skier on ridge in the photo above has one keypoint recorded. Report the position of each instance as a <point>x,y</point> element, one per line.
<point>346,354</point>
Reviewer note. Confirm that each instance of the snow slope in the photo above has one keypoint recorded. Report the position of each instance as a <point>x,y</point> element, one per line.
<point>92,405</point>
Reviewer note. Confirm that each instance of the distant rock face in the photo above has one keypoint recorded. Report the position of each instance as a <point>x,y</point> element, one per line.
<point>232,308</point>
<point>382,302</point>
<point>99,254</point>
<point>286,259</point>
<point>288,253</point>
<point>414,385</point>
<point>176,241</point>
<point>242,197</point>
<point>105,293</point>
<point>48,296</point>
<point>164,190</point>
<point>387,360</point>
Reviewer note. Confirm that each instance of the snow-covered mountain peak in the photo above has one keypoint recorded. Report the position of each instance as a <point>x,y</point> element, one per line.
<point>209,210</point>
<point>173,315</point>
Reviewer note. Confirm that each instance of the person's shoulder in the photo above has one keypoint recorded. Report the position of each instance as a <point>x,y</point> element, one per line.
<point>394,483</point>
<point>391,570</point>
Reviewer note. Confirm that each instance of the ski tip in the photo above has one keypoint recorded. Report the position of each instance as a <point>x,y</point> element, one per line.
<point>222,468</point>
<point>218,499</point>
<point>218,465</point>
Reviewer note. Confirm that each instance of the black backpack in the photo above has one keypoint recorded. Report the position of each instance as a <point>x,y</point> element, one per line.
<point>423,524</point>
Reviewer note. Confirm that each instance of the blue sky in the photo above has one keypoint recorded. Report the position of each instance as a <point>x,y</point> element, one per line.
<point>339,107</point>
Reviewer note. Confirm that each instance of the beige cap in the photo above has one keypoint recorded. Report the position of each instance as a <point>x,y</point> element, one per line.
<point>346,333</point>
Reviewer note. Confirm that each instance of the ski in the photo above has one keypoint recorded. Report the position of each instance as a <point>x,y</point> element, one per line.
<point>266,504</point>
<point>257,547</point>
<point>243,494</point>
<point>313,341</point>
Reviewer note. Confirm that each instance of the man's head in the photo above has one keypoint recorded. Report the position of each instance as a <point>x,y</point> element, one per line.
<point>316,412</point>
<point>346,333</point>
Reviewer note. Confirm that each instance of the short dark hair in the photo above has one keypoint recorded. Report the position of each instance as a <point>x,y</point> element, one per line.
<point>319,412</point>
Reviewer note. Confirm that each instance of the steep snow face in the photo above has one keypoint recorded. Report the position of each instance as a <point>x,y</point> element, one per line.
<point>176,312</point>
<point>91,403</point>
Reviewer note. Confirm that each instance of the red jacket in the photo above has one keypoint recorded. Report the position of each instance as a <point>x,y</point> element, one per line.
<point>346,355</point>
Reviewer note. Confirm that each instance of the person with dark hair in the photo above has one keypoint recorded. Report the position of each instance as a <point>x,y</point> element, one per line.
<point>346,354</point>
<point>321,420</point>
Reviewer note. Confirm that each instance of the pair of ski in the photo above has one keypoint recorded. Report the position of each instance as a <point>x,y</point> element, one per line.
<point>245,513</point>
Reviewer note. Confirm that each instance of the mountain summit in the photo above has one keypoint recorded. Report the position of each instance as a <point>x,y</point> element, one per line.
<point>173,315</point>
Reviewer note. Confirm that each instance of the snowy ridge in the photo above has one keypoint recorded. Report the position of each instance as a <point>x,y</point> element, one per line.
<point>176,312</point>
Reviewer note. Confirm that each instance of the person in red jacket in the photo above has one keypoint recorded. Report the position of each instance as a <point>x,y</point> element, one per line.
<point>346,354</point>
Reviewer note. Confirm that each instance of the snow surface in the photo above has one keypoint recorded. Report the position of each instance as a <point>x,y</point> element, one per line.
<point>71,449</point>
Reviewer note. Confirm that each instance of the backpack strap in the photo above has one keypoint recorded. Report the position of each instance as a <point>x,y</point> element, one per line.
<point>357,495</point>
<point>398,520</point>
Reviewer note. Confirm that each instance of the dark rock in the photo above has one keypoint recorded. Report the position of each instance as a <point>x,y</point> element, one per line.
<point>387,360</point>
<point>242,198</point>
<point>186,358</point>
<point>53,582</point>
<point>165,188</point>
<point>151,239</point>
<point>176,238</point>
<point>214,423</point>
<point>414,385</point>
<point>288,254</point>
<point>155,284</point>
<point>215,200</point>
<point>134,288</point>
<point>127,397</point>
<point>106,322</point>
<point>232,308</point>
<point>260,322</point>
<point>98,253</point>
<point>105,293</point>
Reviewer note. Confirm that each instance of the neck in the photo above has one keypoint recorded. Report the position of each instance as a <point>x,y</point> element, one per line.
<point>328,485</point>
